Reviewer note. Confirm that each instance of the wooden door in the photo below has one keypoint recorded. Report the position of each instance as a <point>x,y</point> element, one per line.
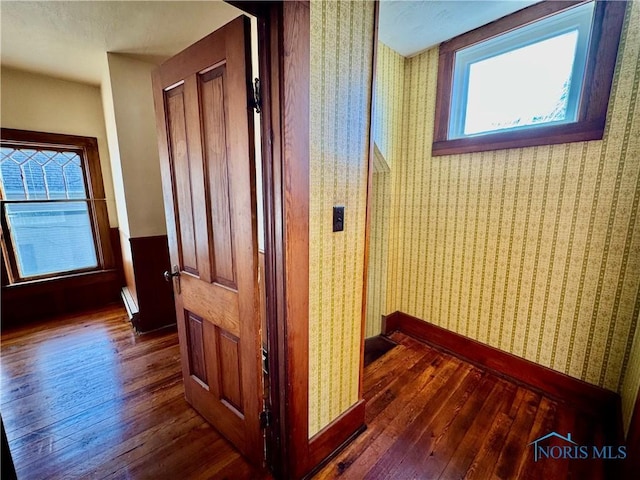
<point>205,134</point>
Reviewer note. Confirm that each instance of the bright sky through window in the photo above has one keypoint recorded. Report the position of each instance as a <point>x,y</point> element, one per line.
<point>526,86</point>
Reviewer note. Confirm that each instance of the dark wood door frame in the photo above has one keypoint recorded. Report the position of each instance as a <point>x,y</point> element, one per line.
<point>284,63</point>
<point>283,38</point>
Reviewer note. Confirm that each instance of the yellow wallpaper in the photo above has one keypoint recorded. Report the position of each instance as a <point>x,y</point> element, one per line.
<point>535,251</point>
<point>341,53</point>
<point>387,135</point>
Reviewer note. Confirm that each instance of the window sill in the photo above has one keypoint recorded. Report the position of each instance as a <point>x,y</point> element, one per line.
<point>551,135</point>
<point>66,281</point>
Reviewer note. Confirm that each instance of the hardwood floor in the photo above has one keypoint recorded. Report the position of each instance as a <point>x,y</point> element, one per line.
<point>84,397</point>
<point>433,416</point>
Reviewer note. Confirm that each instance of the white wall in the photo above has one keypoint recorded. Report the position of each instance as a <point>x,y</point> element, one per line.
<point>114,151</point>
<point>37,102</point>
<point>130,120</point>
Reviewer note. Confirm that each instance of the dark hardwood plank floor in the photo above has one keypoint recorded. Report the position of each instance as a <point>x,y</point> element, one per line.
<point>432,416</point>
<point>84,397</point>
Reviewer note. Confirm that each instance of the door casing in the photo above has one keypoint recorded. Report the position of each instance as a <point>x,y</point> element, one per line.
<point>283,39</point>
<point>284,56</point>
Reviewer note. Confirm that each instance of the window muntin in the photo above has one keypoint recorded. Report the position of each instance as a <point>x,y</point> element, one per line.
<point>523,78</point>
<point>28,174</point>
<point>53,223</point>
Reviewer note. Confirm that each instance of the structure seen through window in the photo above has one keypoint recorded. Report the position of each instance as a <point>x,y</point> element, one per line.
<point>49,222</point>
<point>54,216</point>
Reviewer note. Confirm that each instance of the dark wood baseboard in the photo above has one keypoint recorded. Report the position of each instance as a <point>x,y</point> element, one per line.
<point>329,441</point>
<point>581,395</point>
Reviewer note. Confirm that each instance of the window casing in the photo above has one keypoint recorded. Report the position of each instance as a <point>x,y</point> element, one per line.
<point>53,207</point>
<point>596,26</point>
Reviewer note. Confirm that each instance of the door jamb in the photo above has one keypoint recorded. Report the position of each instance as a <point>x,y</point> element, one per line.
<point>284,36</point>
<point>285,51</point>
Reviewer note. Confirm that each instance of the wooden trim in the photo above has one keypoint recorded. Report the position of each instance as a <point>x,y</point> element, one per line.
<point>87,148</point>
<point>603,48</point>
<point>270,17</point>
<point>294,55</point>
<point>4,273</point>
<point>31,138</point>
<point>582,395</point>
<point>269,35</point>
<point>329,441</point>
<point>605,38</point>
<point>367,228</point>
<point>632,463</point>
<point>510,22</point>
<point>71,281</point>
<point>8,257</point>
<point>284,42</point>
<point>443,98</point>
<point>550,135</point>
<point>284,50</point>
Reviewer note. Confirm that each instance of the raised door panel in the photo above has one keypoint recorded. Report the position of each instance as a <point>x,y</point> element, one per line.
<point>230,369</point>
<point>181,179</point>
<point>205,137</point>
<point>197,365</point>
<point>214,114</point>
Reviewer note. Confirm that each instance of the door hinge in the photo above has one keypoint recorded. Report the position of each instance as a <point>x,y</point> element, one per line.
<point>257,100</point>
<point>265,419</point>
<point>265,361</point>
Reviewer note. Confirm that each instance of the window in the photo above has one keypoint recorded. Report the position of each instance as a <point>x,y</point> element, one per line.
<point>54,219</point>
<point>540,76</point>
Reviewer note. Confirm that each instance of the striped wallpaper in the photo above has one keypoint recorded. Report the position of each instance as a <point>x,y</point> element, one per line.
<point>387,135</point>
<point>341,56</point>
<point>535,251</point>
